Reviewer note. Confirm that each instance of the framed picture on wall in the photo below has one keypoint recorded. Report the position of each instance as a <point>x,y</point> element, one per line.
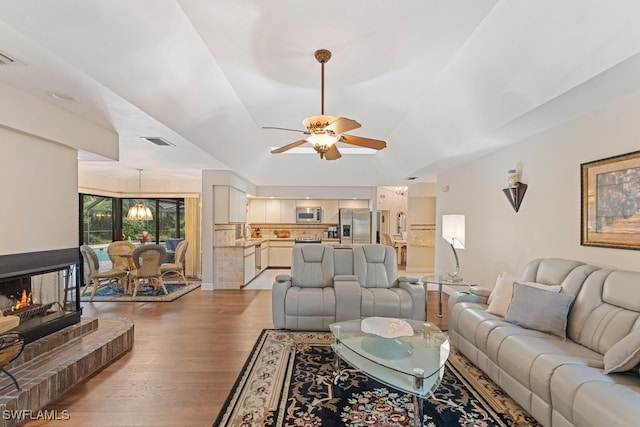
<point>610,213</point>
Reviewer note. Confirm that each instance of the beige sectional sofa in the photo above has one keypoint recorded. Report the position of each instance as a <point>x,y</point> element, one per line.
<point>561,382</point>
<point>328,285</point>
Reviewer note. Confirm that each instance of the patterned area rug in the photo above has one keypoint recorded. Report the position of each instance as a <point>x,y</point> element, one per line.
<point>287,381</point>
<point>145,293</point>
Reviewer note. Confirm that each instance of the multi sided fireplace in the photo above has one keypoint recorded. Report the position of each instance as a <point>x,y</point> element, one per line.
<point>39,291</point>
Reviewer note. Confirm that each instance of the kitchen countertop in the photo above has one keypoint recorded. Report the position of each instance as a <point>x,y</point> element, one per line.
<point>245,243</point>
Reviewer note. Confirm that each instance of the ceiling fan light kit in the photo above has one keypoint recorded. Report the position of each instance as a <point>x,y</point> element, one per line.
<point>326,131</point>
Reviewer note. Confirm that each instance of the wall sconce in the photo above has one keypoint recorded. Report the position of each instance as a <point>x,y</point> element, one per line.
<point>515,190</point>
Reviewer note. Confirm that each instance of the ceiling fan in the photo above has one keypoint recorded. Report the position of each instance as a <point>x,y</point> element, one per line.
<point>325,131</point>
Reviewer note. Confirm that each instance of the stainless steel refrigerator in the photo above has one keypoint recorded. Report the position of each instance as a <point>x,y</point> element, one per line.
<point>355,226</point>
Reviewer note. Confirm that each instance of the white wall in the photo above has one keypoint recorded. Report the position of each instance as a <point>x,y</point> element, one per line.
<point>548,223</point>
<point>39,194</point>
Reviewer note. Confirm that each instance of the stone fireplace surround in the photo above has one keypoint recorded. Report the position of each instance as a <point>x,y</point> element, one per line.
<point>62,348</point>
<point>50,366</point>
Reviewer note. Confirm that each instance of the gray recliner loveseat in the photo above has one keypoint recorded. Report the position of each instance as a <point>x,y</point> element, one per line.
<point>328,285</point>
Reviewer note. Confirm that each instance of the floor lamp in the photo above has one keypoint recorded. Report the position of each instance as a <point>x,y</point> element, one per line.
<point>453,233</point>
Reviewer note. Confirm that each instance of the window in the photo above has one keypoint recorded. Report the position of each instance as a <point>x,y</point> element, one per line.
<point>106,217</point>
<point>97,219</point>
<point>131,229</point>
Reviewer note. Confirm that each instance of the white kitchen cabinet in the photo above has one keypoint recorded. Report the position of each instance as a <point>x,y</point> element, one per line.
<point>272,210</point>
<point>237,205</point>
<point>249,264</point>
<point>354,204</point>
<point>229,205</point>
<point>257,211</point>
<point>330,210</point>
<point>308,203</point>
<point>280,253</point>
<point>288,211</point>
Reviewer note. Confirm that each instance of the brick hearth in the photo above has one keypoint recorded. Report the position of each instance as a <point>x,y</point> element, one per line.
<point>50,366</point>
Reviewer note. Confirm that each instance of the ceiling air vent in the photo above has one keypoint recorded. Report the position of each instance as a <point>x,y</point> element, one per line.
<point>158,141</point>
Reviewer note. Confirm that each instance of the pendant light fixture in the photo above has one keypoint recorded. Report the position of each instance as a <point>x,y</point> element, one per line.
<point>139,212</point>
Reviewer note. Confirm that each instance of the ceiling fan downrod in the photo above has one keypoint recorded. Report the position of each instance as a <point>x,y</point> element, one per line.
<point>322,56</point>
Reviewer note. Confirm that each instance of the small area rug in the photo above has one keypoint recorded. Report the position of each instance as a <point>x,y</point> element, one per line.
<point>287,381</point>
<point>115,293</point>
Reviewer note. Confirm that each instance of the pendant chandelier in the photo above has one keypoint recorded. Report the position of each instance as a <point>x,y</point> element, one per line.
<point>139,212</point>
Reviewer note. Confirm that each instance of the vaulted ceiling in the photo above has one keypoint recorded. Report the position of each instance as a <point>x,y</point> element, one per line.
<point>440,81</point>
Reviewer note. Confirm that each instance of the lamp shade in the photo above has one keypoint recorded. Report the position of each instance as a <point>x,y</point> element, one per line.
<point>453,230</point>
<point>139,212</point>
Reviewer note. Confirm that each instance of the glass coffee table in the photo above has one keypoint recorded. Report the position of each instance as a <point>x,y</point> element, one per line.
<point>412,363</point>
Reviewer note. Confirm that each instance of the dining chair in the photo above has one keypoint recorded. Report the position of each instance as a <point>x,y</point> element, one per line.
<point>386,239</point>
<point>99,278</point>
<point>120,253</point>
<point>147,260</point>
<point>177,266</point>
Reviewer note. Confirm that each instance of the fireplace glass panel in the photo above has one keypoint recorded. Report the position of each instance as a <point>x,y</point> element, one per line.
<point>44,299</point>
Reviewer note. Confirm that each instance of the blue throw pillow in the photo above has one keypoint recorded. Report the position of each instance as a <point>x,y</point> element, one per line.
<point>540,310</point>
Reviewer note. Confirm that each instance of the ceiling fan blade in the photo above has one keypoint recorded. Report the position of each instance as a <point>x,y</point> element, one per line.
<point>376,144</point>
<point>333,153</point>
<point>288,146</point>
<point>342,125</point>
<point>306,132</point>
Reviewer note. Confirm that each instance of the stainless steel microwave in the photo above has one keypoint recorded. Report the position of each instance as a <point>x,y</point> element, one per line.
<point>308,215</point>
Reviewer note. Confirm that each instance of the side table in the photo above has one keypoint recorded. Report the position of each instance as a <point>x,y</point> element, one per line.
<point>441,281</point>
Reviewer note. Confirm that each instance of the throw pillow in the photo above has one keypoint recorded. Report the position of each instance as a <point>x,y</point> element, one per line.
<point>539,309</point>
<point>623,355</point>
<point>500,296</point>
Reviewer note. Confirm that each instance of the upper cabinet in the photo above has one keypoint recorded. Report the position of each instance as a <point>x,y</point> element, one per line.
<point>284,210</point>
<point>354,204</point>
<point>237,205</point>
<point>330,211</point>
<point>230,205</point>
<point>272,210</point>
<point>257,211</point>
<point>287,211</point>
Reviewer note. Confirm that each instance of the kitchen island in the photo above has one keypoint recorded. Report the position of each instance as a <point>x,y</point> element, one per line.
<point>240,261</point>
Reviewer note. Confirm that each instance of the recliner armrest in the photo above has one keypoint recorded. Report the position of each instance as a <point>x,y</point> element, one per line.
<point>345,278</point>
<point>283,278</point>
<point>278,296</point>
<point>481,292</point>
<point>409,279</point>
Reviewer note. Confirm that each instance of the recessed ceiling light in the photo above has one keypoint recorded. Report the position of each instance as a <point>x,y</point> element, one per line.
<point>62,96</point>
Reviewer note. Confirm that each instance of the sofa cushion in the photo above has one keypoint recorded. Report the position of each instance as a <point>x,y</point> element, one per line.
<point>375,266</point>
<point>624,355</point>
<point>312,266</point>
<point>538,309</point>
<point>500,296</point>
<point>503,293</point>
<point>392,302</point>
<point>584,396</point>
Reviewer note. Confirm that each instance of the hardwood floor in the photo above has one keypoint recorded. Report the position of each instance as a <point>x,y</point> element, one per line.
<point>186,357</point>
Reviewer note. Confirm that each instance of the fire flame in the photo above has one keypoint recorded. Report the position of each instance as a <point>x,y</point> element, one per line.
<point>25,301</point>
